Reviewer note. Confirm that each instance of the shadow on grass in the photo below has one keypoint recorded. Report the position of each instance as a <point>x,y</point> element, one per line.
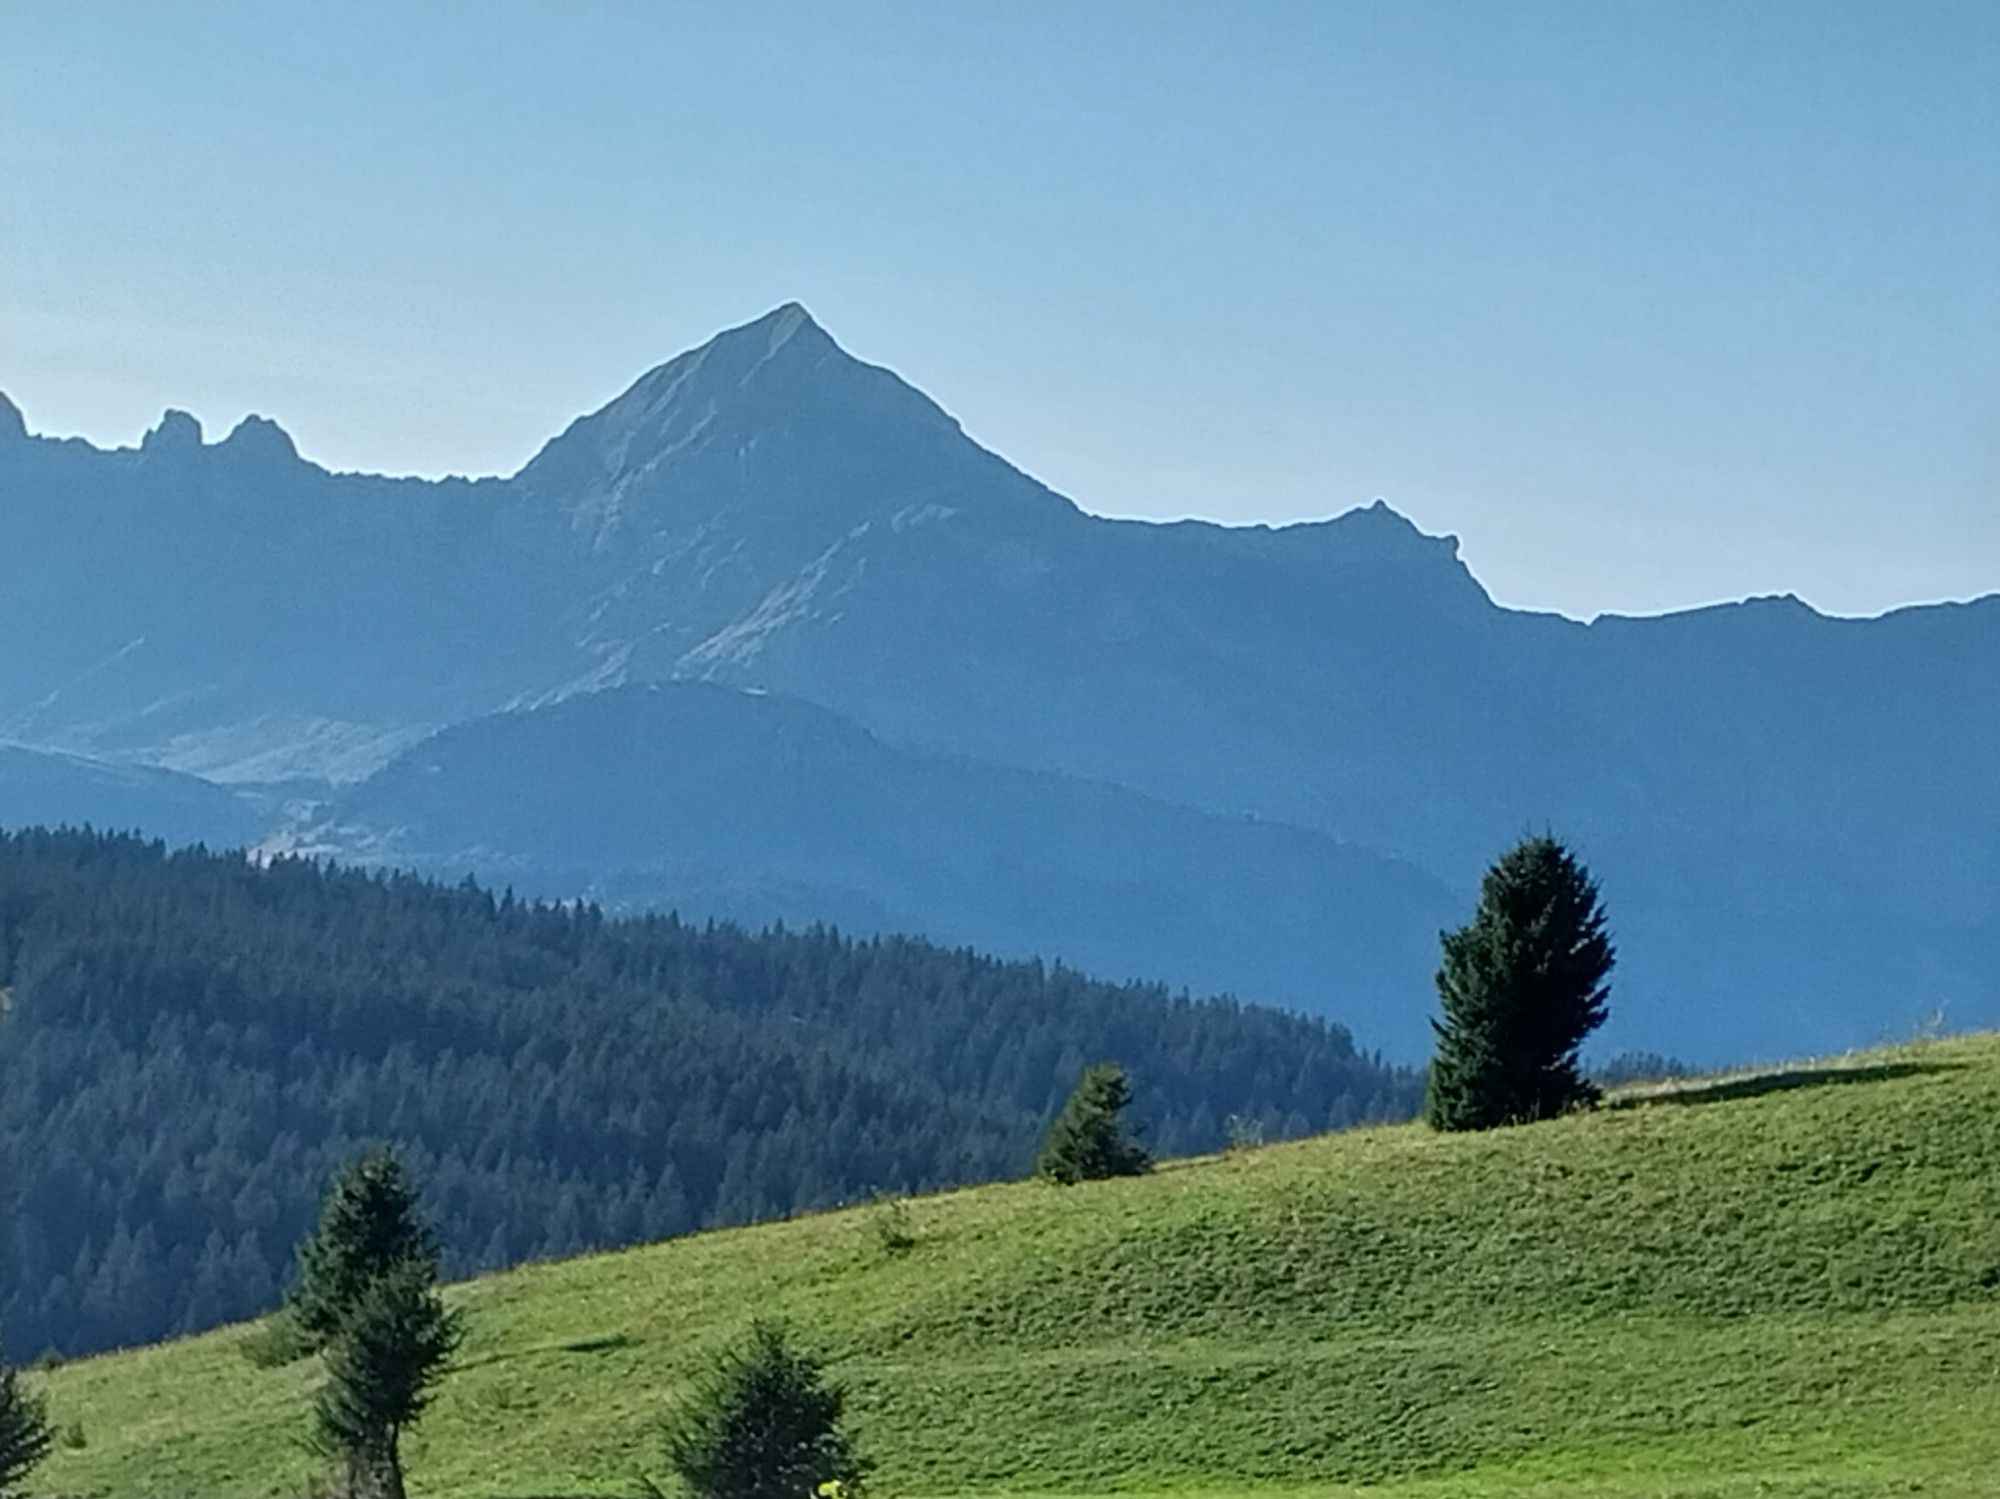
<point>608,1344</point>
<point>616,1341</point>
<point>1781,1081</point>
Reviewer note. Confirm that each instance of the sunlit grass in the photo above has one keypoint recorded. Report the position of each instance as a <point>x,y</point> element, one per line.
<point>1784,1283</point>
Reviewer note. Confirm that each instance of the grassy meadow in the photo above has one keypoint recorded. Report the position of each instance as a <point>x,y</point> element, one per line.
<point>1773,1285</point>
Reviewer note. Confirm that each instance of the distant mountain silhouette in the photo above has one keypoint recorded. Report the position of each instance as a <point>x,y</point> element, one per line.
<point>1794,816</point>
<point>760,808</point>
<point>38,788</point>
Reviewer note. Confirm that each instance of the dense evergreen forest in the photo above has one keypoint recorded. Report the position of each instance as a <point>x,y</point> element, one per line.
<point>192,1040</point>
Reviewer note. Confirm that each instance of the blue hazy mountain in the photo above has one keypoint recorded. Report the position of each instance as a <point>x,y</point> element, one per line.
<point>43,789</point>
<point>1794,817</point>
<point>761,808</point>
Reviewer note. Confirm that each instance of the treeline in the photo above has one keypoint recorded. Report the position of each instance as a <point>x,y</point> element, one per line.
<point>193,1041</point>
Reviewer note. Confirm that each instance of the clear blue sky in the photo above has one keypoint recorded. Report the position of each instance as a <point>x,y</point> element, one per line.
<point>1651,304</point>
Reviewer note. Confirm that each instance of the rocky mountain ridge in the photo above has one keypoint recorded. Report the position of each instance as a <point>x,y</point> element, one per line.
<point>1794,815</point>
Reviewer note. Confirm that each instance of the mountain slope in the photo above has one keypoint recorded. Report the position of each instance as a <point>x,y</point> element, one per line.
<point>37,787</point>
<point>690,797</point>
<point>1794,816</point>
<point>1775,1286</point>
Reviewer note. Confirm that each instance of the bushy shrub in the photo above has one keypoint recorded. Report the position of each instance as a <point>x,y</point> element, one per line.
<point>1089,1141</point>
<point>765,1423</point>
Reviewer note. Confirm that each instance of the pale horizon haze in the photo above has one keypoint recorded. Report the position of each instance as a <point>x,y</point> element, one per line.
<point>1652,305</point>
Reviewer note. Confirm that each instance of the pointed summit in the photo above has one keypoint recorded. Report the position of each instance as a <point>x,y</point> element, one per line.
<point>784,338</point>
<point>13,426</point>
<point>781,323</point>
<point>759,339</point>
<point>746,385</point>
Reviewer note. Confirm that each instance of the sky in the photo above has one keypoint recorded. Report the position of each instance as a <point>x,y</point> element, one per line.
<point>1652,305</point>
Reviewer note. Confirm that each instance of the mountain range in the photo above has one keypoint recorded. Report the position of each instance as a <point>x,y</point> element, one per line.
<point>769,636</point>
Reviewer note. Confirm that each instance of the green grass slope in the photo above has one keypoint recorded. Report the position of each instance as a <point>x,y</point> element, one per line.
<point>1781,1286</point>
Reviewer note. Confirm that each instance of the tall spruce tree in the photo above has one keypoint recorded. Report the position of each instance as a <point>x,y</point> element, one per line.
<point>24,1432</point>
<point>25,1437</point>
<point>764,1424</point>
<point>367,1301</point>
<point>1521,986</point>
<point>368,1227</point>
<point>1088,1140</point>
<point>383,1360</point>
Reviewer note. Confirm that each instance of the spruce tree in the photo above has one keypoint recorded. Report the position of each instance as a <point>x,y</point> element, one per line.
<point>1521,986</point>
<point>383,1359</point>
<point>24,1432</point>
<point>368,1227</point>
<point>25,1437</point>
<point>764,1424</point>
<point>1088,1140</point>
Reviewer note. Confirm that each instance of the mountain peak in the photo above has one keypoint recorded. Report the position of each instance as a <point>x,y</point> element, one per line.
<point>745,383</point>
<point>763,338</point>
<point>784,320</point>
<point>13,426</point>
<point>177,432</point>
<point>1388,528</point>
<point>256,435</point>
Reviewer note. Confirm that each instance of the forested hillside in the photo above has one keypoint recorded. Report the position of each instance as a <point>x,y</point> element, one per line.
<point>192,1039</point>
